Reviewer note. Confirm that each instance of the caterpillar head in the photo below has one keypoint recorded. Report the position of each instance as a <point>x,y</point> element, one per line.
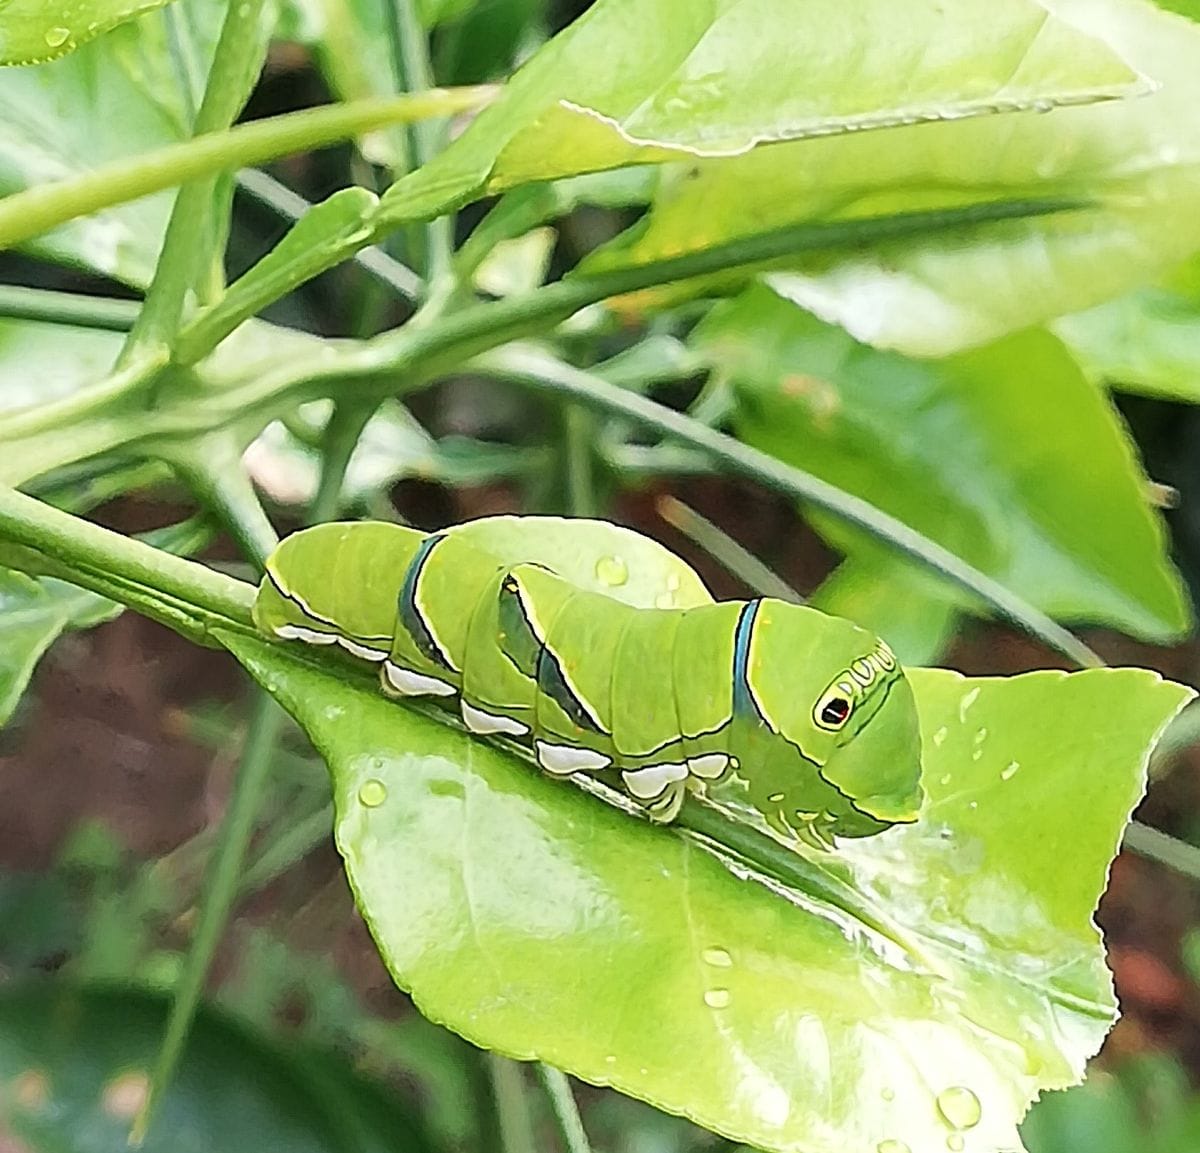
<point>845,703</point>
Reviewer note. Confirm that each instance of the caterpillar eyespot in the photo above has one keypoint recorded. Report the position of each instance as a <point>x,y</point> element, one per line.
<point>504,621</point>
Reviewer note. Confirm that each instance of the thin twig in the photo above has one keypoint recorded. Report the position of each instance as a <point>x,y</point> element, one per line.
<point>566,1111</point>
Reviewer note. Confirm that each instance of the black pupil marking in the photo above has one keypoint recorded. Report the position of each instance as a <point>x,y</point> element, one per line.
<point>836,711</point>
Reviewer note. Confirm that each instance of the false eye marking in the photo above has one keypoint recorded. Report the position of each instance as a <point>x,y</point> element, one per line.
<point>486,724</point>
<point>398,682</point>
<point>836,704</point>
<point>563,760</point>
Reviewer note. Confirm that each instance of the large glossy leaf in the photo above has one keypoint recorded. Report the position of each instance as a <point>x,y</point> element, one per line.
<point>1006,455</point>
<point>34,30</point>
<point>74,1069</point>
<point>959,974</point>
<point>116,97</point>
<point>536,920</point>
<point>717,78</point>
<point>1139,158</point>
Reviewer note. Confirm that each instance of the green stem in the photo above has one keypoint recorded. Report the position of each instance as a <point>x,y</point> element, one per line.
<point>1156,845</point>
<point>512,1105</point>
<point>414,73</point>
<point>193,231</point>
<point>71,308</point>
<point>217,898</point>
<point>538,369</point>
<point>580,435</point>
<point>566,1111</point>
<point>36,210</point>
<point>742,563</point>
<point>341,439</point>
<point>186,596</point>
<point>213,470</point>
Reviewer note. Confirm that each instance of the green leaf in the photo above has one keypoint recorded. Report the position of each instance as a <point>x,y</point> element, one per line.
<point>338,225</point>
<point>1146,342</point>
<point>1034,479</point>
<point>1140,158</point>
<point>33,613</point>
<point>711,78</point>
<point>536,920</point>
<point>116,97</point>
<point>73,1065</point>
<point>32,30</point>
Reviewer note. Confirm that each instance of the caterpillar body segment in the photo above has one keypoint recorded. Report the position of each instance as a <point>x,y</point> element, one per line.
<point>804,718</point>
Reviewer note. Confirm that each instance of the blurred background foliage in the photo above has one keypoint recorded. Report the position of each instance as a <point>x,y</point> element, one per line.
<point>116,766</point>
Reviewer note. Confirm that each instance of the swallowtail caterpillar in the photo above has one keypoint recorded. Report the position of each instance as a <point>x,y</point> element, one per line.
<point>804,718</point>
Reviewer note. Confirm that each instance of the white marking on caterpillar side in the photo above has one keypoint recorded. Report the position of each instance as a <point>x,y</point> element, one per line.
<point>367,654</point>
<point>563,760</point>
<point>651,782</point>
<point>709,767</point>
<point>486,723</point>
<point>410,684</point>
<point>308,636</point>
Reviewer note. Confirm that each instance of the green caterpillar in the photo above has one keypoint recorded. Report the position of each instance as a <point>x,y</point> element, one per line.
<point>805,718</point>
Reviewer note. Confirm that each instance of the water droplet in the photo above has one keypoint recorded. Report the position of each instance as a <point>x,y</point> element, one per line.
<point>610,1059</point>
<point>977,755</point>
<point>612,571</point>
<point>718,958</point>
<point>973,805</point>
<point>888,1094</point>
<point>940,736</point>
<point>965,704</point>
<point>56,37</point>
<point>1010,771</point>
<point>718,998</point>
<point>372,793</point>
<point>891,1145</point>
<point>955,1143</point>
<point>960,1107</point>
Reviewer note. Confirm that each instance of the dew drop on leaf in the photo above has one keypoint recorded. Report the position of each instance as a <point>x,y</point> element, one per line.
<point>959,1107</point>
<point>1010,771</point>
<point>955,1143</point>
<point>57,37</point>
<point>372,793</point>
<point>612,571</point>
<point>718,998</point>
<point>891,1145</point>
<point>718,958</point>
